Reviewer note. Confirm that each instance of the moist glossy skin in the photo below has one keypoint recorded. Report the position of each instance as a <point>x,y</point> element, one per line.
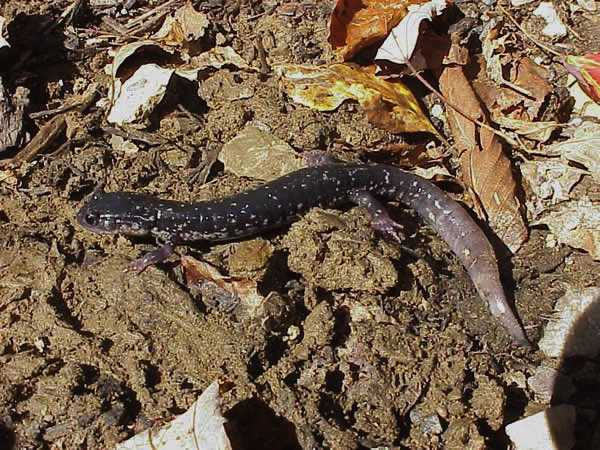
<point>282,200</point>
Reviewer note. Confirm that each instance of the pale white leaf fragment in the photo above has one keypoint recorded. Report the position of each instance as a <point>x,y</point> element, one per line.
<point>520,2</point>
<point>3,42</point>
<point>122,145</point>
<point>554,28</point>
<point>242,290</point>
<point>575,327</point>
<point>584,105</point>
<point>254,153</point>
<point>586,5</point>
<point>551,179</point>
<point>536,131</point>
<point>583,148</point>
<point>400,45</point>
<point>576,223</point>
<point>136,97</point>
<point>218,57</point>
<point>199,428</point>
<point>551,429</point>
<point>433,172</point>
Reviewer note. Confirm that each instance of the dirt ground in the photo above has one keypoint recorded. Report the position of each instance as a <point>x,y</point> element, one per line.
<point>358,345</point>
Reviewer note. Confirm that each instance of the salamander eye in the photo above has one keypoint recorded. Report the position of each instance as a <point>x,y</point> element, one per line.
<point>91,219</point>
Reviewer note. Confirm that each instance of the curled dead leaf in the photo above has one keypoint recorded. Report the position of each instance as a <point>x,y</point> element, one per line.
<point>3,42</point>
<point>486,170</point>
<point>389,105</point>
<point>245,291</point>
<point>184,26</point>
<point>356,24</point>
<point>399,46</point>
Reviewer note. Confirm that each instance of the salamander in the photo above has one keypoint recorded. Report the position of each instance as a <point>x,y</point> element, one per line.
<point>281,201</point>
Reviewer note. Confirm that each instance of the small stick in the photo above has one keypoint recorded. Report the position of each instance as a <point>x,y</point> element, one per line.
<point>456,108</point>
<point>47,134</point>
<point>144,17</point>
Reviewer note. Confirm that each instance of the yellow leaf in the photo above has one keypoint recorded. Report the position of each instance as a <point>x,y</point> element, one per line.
<point>389,105</point>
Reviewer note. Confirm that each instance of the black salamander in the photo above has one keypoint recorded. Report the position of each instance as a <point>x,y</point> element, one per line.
<point>282,200</point>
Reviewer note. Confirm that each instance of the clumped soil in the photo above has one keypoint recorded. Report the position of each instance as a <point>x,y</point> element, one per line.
<point>359,344</point>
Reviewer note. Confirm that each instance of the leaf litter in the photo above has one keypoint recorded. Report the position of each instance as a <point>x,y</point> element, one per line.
<point>515,97</point>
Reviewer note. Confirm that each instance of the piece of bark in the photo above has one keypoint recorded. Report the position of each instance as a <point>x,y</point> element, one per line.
<point>11,116</point>
<point>44,138</point>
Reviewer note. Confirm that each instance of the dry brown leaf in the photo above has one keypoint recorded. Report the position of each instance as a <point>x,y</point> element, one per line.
<point>356,24</point>
<point>199,273</point>
<point>186,25</point>
<point>525,76</point>
<point>486,169</point>
<point>389,105</point>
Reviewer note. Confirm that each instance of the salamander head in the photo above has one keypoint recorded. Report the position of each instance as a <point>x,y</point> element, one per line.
<point>118,212</point>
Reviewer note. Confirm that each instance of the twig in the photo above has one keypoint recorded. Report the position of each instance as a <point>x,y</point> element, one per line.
<point>529,36</point>
<point>134,23</point>
<point>456,108</point>
<point>52,112</point>
<point>44,138</point>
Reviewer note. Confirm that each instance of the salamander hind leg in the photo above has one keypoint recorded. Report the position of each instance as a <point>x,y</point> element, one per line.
<point>153,257</point>
<point>380,218</point>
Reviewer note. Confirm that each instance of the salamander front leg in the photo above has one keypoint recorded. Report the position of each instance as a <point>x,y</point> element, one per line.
<point>153,257</point>
<point>381,220</point>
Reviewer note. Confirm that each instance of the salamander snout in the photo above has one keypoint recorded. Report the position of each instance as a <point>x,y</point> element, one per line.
<point>96,222</point>
<point>117,212</point>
